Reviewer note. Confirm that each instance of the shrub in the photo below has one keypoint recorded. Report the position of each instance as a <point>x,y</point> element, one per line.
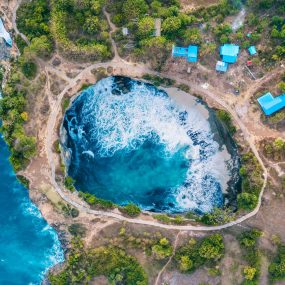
<point>225,117</point>
<point>277,267</point>
<point>162,249</point>
<point>247,201</point>
<point>29,69</point>
<point>83,265</point>
<point>77,230</point>
<point>69,183</point>
<point>92,200</point>
<point>131,210</point>
<point>198,253</point>
<point>212,247</point>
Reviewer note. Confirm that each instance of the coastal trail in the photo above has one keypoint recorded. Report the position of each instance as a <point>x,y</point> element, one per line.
<point>129,69</point>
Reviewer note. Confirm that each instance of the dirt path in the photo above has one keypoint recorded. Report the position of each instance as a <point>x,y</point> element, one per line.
<point>129,70</point>
<point>113,29</point>
<point>170,259</point>
<point>14,17</point>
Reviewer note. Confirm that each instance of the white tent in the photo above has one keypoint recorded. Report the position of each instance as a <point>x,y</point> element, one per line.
<point>4,34</point>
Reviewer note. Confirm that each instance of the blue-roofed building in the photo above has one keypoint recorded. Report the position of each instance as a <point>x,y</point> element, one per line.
<point>252,50</point>
<point>229,53</point>
<point>222,66</point>
<point>191,53</point>
<point>270,104</point>
<point>179,52</point>
<point>4,34</point>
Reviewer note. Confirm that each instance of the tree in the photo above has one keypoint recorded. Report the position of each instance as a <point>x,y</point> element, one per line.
<point>92,24</point>
<point>249,273</point>
<point>212,247</point>
<point>249,238</point>
<point>247,201</point>
<point>171,26</point>
<point>156,49</point>
<point>40,46</point>
<point>146,27</point>
<point>277,267</point>
<point>208,48</point>
<point>281,86</point>
<point>133,9</point>
<point>69,183</point>
<point>163,249</point>
<point>131,210</point>
<point>192,36</point>
<point>279,144</point>
<point>29,69</point>
<point>26,146</point>
<point>185,263</point>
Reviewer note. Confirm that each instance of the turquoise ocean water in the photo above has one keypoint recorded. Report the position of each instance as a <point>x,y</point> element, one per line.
<point>28,245</point>
<point>128,141</point>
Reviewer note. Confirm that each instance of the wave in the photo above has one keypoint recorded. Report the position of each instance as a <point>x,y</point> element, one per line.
<point>53,255</point>
<point>119,115</point>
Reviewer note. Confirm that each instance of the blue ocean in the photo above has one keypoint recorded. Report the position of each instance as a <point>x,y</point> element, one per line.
<point>128,141</point>
<point>29,246</point>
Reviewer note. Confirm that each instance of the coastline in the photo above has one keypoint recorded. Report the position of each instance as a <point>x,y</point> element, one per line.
<point>184,101</point>
<point>42,177</point>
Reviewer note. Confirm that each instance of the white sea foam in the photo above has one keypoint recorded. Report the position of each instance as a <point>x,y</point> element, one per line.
<point>126,121</point>
<point>89,152</point>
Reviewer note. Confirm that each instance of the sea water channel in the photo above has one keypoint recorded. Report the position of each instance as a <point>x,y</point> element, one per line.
<point>28,245</point>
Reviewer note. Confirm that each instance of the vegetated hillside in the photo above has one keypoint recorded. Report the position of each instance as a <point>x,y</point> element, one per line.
<point>206,26</point>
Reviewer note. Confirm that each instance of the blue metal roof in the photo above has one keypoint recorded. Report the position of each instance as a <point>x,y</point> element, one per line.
<point>270,104</point>
<point>179,51</point>
<point>4,34</point>
<point>222,66</point>
<point>192,53</point>
<point>252,50</point>
<point>229,53</point>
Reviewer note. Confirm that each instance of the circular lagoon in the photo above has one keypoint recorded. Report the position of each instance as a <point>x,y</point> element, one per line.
<point>128,141</point>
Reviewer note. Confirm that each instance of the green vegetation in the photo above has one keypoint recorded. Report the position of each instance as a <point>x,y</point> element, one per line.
<point>277,267</point>
<point>92,200</point>
<point>21,44</point>
<point>77,230</point>
<point>252,182</point>
<point>13,116</point>
<point>274,150</point>
<point>152,244</point>
<point>184,87</point>
<point>217,217</point>
<point>65,103</point>
<point>197,253</point>
<point>226,118</point>
<point>69,211</point>
<point>177,26</point>
<point>33,21</point>
<point>162,249</point>
<point>33,18</point>
<point>29,69</point>
<point>69,183</point>
<point>247,201</point>
<point>131,210</point>
<point>157,80</point>
<point>84,264</point>
<point>248,242</point>
<point>80,28</point>
<point>177,219</point>
<point>24,181</point>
